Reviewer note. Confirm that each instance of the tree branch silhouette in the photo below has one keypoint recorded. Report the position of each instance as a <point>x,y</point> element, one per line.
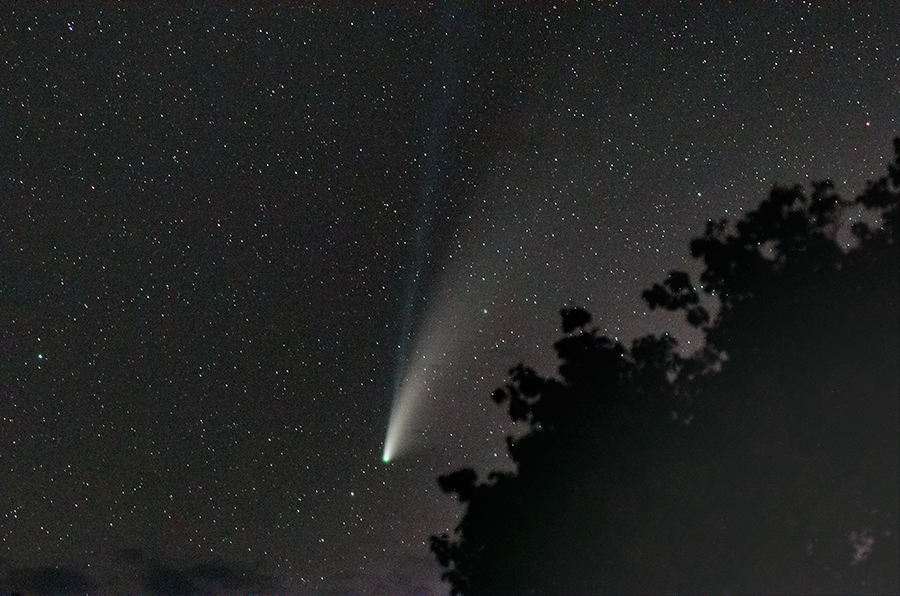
<point>765,462</point>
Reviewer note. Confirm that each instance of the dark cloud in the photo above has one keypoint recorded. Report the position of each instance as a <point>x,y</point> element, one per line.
<point>212,577</point>
<point>46,581</point>
<point>142,573</point>
<point>162,579</point>
<point>219,577</point>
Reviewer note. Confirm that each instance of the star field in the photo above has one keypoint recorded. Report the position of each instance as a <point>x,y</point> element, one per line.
<point>224,231</point>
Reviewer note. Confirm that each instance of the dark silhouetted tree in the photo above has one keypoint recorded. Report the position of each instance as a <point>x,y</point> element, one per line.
<point>767,462</point>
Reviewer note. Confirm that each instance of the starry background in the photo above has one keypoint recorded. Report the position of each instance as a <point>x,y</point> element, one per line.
<point>228,235</point>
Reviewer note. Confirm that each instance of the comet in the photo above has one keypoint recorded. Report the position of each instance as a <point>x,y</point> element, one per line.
<point>438,342</point>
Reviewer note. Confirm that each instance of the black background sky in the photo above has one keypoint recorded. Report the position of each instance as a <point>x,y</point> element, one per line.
<point>224,233</point>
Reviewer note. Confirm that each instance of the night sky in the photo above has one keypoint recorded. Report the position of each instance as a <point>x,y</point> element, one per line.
<point>233,240</point>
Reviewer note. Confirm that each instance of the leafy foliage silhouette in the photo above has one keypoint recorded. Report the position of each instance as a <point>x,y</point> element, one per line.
<point>769,461</point>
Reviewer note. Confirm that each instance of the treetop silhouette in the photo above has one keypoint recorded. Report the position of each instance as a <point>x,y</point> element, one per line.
<point>767,461</point>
